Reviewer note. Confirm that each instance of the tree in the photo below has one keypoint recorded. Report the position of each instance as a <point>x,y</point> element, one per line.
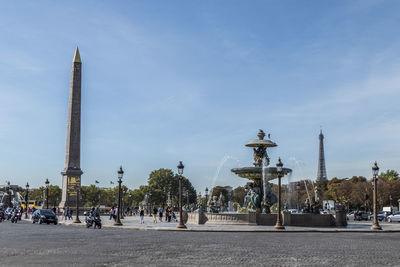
<point>162,182</point>
<point>389,175</point>
<point>137,196</point>
<point>39,194</point>
<point>55,193</point>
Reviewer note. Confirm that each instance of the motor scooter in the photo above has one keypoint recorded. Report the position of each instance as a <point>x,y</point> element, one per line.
<point>14,216</point>
<point>94,221</point>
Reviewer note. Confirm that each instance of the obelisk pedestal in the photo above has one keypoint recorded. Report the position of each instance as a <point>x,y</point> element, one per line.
<point>72,170</point>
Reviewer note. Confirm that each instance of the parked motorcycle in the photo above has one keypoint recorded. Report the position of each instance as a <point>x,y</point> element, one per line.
<point>1,216</point>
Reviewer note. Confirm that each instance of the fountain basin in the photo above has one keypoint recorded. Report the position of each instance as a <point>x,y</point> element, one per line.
<point>255,173</point>
<point>253,218</point>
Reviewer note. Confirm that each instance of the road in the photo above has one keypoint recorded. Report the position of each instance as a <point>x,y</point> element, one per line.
<point>25,244</point>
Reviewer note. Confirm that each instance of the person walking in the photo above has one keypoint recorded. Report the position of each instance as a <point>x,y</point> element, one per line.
<point>141,215</point>
<point>115,214</point>
<point>28,210</point>
<point>160,213</point>
<point>168,214</point>
<point>111,212</point>
<point>155,211</point>
<point>66,214</point>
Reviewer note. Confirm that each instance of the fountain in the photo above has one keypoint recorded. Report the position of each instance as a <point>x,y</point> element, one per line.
<point>9,197</point>
<point>259,197</point>
<point>256,199</point>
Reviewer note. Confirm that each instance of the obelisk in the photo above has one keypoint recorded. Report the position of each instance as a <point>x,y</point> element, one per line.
<point>72,166</point>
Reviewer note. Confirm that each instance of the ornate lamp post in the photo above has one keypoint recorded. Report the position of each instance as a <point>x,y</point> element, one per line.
<point>390,203</point>
<point>375,171</point>
<point>77,189</point>
<point>120,175</point>
<point>47,193</point>
<point>26,200</point>
<point>206,191</point>
<point>298,195</point>
<point>149,205</point>
<point>279,171</point>
<point>8,193</point>
<point>180,172</point>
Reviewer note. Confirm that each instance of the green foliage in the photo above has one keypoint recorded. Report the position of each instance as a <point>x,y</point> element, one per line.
<point>91,195</point>
<point>163,182</point>
<point>39,194</point>
<point>390,175</point>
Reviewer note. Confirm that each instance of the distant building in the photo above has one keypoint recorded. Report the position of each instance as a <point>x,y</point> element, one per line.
<point>321,175</point>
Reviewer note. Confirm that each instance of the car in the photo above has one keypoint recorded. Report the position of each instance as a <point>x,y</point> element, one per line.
<point>361,215</point>
<point>394,217</point>
<point>383,215</point>
<point>44,216</point>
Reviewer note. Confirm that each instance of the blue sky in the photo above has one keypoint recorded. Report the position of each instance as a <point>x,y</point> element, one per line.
<point>165,81</point>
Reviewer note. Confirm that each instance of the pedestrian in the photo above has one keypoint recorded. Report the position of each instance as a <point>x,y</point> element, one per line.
<point>111,212</point>
<point>115,214</point>
<point>155,215</point>
<point>141,215</point>
<point>168,214</point>
<point>66,213</point>
<point>70,214</point>
<point>160,213</point>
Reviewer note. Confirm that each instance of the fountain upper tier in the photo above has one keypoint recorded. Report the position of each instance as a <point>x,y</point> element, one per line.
<point>255,173</point>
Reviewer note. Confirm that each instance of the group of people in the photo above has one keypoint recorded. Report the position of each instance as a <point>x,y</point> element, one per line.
<point>67,213</point>
<point>169,214</point>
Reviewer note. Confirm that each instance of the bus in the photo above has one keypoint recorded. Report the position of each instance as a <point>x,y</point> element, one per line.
<point>37,204</point>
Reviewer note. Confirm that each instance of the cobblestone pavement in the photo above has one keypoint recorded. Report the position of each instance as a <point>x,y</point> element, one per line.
<point>26,244</point>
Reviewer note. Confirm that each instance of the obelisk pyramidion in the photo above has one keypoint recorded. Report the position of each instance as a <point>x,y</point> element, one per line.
<point>72,170</point>
<point>321,175</point>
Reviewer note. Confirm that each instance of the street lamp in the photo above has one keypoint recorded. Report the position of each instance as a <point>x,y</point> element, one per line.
<point>390,203</point>
<point>180,172</point>
<point>279,171</point>
<point>47,193</point>
<point>206,191</point>
<point>375,171</point>
<point>298,195</point>
<point>26,200</point>
<point>77,189</point>
<point>120,175</point>
<point>149,204</point>
<point>8,186</point>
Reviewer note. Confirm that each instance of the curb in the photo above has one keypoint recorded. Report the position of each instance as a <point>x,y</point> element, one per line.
<point>242,230</point>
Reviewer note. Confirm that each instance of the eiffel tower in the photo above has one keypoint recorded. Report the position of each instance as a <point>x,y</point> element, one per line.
<point>321,175</point>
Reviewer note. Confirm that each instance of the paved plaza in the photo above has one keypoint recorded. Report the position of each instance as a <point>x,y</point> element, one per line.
<point>133,223</point>
<point>62,245</point>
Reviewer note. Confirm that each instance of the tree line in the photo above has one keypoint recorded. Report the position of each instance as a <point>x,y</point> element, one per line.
<point>163,185</point>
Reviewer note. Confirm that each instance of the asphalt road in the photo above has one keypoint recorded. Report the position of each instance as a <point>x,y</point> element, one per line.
<point>24,244</point>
